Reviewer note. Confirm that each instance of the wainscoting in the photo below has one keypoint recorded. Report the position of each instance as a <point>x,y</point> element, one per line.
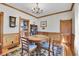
<point>10,41</point>
<point>68,48</point>
<point>53,35</point>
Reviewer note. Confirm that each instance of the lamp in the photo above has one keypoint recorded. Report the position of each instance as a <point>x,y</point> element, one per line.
<point>37,10</point>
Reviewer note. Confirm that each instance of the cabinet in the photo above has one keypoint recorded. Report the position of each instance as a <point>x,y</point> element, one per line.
<point>33,29</point>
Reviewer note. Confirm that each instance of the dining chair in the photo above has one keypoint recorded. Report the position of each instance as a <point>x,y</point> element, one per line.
<point>57,48</point>
<point>27,46</point>
<point>46,45</point>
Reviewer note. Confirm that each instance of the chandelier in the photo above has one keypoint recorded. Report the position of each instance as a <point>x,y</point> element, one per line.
<point>37,10</point>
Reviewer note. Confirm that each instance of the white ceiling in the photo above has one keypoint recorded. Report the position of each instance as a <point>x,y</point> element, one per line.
<point>48,8</point>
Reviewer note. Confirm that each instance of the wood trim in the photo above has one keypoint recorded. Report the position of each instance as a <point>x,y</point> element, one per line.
<point>59,12</point>
<point>40,16</point>
<point>66,20</point>
<point>73,50</point>
<point>24,18</point>
<point>2,20</point>
<point>19,27</point>
<point>20,18</point>
<point>10,33</point>
<point>49,32</point>
<point>72,6</point>
<point>54,13</point>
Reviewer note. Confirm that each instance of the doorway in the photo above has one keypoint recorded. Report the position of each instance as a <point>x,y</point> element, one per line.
<point>66,30</point>
<point>24,27</point>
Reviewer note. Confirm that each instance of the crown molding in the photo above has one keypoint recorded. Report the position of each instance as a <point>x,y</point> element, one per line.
<point>40,16</point>
<point>54,14</point>
<point>58,12</point>
<point>18,9</point>
<point>72,6</point>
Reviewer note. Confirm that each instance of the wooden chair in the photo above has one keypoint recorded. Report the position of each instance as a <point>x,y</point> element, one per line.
<point>57,48</point>
<point>26,46</point>
<point>46,45</point>
<point>66,43</point>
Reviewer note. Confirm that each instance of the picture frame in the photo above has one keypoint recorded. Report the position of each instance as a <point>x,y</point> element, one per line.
<point>12,21</point>
<point>43,23</point>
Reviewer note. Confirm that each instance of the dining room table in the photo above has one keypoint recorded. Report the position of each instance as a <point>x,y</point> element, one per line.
<point>37,39</point>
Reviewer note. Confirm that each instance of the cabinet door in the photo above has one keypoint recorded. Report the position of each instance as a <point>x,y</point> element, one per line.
<point>33,29</point>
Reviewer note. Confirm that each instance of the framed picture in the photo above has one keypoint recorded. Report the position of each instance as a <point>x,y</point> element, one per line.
<point>12,21</point>
<point>43,24</point>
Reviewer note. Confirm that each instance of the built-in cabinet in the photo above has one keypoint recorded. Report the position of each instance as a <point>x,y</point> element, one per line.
<point>33,29</point>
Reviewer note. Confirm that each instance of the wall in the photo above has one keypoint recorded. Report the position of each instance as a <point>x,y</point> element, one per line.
<point>53,22</point>
<point>73,21</point>
<point>76,41</point>
<point>12,12</point>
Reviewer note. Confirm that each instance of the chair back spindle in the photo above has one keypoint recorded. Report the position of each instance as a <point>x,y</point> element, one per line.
<point>25,45</point>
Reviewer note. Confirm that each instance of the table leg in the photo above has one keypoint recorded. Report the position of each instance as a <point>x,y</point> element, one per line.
<point>38,50</point>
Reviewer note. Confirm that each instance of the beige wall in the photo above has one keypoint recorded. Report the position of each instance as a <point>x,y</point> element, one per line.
<point>76,41</point>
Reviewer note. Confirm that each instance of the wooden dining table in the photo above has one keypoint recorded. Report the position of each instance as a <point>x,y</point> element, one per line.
<point>37,39</point>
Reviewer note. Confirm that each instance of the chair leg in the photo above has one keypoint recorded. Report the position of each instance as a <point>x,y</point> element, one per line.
<point>22,53</point>
<point>28,53</point>
<point>49,53</point>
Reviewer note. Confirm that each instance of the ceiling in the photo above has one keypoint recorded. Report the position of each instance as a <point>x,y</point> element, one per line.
<point>48,8</point>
